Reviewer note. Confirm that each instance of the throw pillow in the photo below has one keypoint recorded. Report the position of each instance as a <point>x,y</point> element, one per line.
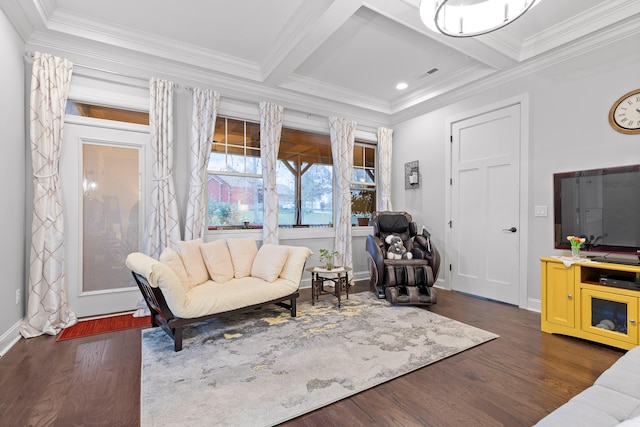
<point>170,258</point>
<point>243,252</point>
<point>193,262</point>
<point>269,261</point>
<point>165,278</point>
<point>217,258</point>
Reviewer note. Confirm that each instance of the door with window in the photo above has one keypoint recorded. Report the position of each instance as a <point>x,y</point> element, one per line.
<point>102,188</point>
<point>485,204</point>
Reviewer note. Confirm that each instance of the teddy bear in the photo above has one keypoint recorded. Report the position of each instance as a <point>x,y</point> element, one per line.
<point>396,248</point>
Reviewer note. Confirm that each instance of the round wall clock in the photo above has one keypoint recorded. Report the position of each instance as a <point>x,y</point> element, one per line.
<point>624,115</point>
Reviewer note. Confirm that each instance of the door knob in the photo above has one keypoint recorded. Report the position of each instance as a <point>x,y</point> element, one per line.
<point>512,229</point>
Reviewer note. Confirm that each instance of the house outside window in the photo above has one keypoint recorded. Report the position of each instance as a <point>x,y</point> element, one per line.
<point>304,177</point>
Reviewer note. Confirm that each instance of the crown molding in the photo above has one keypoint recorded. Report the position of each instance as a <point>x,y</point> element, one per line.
<point>24,20</point>
<point>505,43</point>
<point>316,88</point>
<point>590,21</point>
<point>139,41</point>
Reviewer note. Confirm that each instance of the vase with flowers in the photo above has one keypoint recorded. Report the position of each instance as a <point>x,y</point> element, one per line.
<point>576,242</point>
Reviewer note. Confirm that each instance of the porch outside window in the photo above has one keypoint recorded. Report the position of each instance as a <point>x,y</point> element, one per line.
<point>304,177</point>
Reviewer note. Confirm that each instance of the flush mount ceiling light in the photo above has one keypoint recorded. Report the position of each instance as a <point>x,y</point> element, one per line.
<point>468,18</point>
<point>402,86</point>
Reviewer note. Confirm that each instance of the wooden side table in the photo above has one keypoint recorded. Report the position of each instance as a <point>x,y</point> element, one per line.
<point>339,276</point>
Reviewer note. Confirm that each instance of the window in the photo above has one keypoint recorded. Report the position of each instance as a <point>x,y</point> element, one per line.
<point>363,185</point>
<point>234,183</point>
<point>75,108</point>
<point>304,178</point>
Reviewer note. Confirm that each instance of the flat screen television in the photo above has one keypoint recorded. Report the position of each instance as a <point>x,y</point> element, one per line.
<point>601,205</point>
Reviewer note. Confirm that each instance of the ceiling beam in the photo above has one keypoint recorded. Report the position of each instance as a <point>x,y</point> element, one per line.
<point>290,53</point>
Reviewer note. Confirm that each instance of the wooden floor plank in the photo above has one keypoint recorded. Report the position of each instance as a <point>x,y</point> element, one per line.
<point>512,381</point>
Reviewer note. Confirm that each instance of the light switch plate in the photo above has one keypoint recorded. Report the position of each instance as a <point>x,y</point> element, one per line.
<point>540,211</point>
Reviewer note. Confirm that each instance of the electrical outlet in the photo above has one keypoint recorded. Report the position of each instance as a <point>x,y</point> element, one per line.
<point>18,296</point>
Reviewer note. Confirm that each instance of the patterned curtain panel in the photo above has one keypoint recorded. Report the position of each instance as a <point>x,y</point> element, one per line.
<point>384,173</point>
<point>271,117</point>
<point>203,120</point>
<point>342,132</point>
<point>47,307</point>
<point>163,229</point>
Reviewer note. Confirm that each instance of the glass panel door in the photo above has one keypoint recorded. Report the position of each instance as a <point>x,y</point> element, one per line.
<point>103,183</point>
<point>111,212</point>
<point>609,315</point>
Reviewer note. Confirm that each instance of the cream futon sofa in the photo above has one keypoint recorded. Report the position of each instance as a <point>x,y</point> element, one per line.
<point>200,280</point>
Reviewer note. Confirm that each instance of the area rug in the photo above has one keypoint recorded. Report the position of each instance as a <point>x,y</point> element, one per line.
<point>265,367</point>
<point>103,325</point>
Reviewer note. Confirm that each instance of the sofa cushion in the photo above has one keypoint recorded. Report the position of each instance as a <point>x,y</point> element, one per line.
<point>595,406</point>
<point>293,269</point>
<point>172,259</point>
<point>243,252</point>
<point>193,263</point>
<point>217,258</point>
<point>210,297</point>
<point>632,422</point>
<point>613,398</point>
<point>269,261</point>
<point>624,375</point>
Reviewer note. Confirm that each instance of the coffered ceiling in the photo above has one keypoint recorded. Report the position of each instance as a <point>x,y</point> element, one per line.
<point>329,55</point>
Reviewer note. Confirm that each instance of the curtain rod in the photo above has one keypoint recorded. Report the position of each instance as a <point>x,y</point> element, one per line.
<point>293,110</point>
<point>30,55</point>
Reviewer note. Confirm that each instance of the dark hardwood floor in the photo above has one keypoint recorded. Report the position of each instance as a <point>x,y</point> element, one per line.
<point>511,381</point>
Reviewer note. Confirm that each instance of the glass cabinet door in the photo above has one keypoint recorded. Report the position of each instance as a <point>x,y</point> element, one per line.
<point>610,315</point>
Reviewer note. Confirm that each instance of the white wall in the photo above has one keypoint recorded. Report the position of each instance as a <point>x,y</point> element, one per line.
<point>12,176</point>
<point>569,130</point>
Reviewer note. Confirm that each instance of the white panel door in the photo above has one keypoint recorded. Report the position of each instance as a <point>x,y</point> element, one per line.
<point>102,183</point>
<point>485,205</point>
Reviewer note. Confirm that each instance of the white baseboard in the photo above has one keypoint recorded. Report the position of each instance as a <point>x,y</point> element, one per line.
<point>534,304</point>
<point>9,338</point>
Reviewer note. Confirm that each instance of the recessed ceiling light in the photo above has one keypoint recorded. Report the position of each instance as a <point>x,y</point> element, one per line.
<point>402,86</point>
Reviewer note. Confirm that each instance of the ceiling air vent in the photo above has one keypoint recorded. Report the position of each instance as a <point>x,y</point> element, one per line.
<point>423,75</point>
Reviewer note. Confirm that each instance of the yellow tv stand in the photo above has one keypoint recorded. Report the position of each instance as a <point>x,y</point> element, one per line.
<point>576,303</point>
